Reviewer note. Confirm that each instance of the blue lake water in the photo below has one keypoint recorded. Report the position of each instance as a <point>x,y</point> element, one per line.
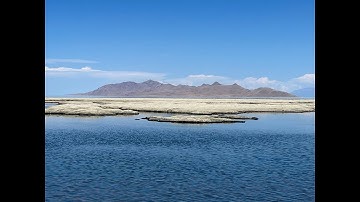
<point>122,159</point>
<point>49,105</point>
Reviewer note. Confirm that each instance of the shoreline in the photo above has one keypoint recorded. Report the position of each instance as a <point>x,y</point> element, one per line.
<point>184,110</point>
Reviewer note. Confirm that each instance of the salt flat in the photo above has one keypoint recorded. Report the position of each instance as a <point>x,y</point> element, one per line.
<point>132,106</point>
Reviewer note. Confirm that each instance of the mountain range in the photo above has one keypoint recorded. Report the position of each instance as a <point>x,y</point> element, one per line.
<point>152,88</point>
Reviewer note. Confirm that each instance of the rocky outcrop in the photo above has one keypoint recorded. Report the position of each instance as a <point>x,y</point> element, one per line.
<point>235,116</point>
<point>193,119</point>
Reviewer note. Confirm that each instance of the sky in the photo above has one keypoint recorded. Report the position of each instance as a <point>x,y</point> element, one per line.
<point>254,43</point>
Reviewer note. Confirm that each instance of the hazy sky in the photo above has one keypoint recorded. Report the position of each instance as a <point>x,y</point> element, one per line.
<point>254,43</point>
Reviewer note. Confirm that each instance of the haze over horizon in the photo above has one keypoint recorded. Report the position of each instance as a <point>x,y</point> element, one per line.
<point>255,43</point>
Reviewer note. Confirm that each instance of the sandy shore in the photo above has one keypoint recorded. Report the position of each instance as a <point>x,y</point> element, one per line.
<point>219,109</point>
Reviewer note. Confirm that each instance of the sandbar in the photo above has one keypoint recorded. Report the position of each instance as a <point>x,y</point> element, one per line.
<point>221,110</point>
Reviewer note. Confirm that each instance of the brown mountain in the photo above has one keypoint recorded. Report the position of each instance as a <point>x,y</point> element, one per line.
<point>152,88</point>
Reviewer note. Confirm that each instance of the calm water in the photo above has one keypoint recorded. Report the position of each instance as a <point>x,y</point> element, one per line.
<point>122,159</point>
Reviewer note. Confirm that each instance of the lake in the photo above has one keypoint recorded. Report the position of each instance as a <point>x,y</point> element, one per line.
<point>122,159</point>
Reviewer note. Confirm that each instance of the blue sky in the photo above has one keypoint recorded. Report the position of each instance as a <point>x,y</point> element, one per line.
<point>89,43</point>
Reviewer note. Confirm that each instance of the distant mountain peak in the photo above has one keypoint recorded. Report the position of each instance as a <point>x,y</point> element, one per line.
<point>151,82</point>
<point>216,83</point>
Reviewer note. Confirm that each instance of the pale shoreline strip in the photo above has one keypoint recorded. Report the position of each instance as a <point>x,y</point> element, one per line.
<point>132,106</point>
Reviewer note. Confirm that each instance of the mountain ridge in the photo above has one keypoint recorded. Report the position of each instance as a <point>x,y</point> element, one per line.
<point>151,88</point>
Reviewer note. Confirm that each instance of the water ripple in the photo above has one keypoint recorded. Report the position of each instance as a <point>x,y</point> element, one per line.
<point>119,159</point>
